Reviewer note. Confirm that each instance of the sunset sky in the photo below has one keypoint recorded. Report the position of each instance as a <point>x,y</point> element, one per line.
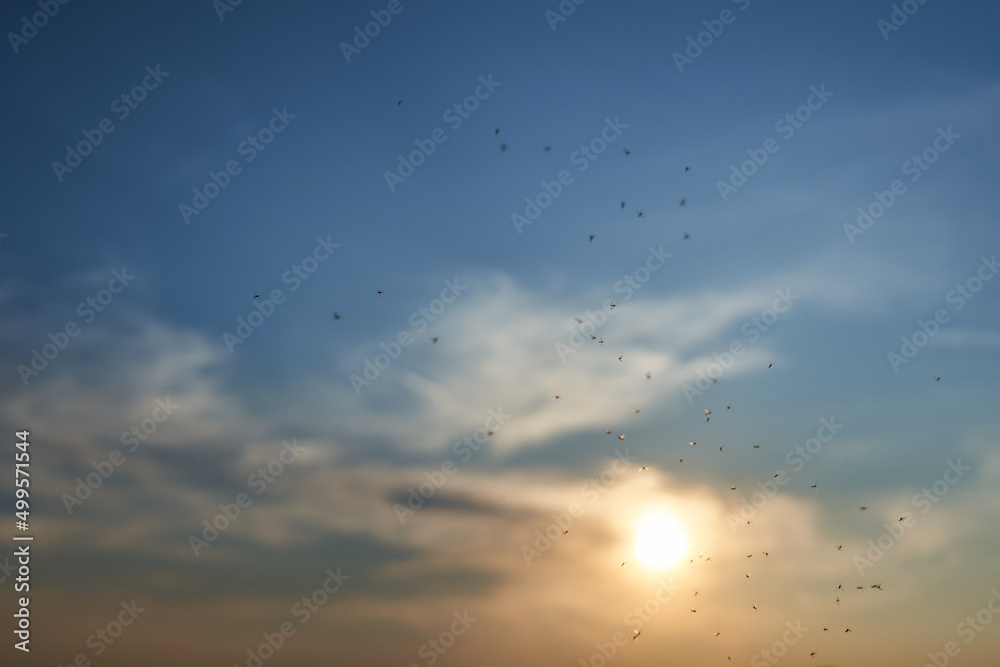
<point>702,340</point>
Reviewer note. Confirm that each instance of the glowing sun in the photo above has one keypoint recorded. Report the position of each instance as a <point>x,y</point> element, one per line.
<point>659,541</point>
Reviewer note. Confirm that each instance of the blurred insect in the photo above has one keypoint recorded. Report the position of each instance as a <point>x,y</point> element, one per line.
<point>379,292</point>
<point>591,237</point>
<point>503,147</point>
<point>683,202</point>
<point>434,340</point>
<point>627,151</point>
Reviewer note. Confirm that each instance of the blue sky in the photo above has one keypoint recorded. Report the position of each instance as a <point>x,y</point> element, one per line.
<point>308,136</point>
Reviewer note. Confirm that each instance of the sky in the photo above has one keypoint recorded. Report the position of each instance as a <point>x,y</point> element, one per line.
<point>528,332</point>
